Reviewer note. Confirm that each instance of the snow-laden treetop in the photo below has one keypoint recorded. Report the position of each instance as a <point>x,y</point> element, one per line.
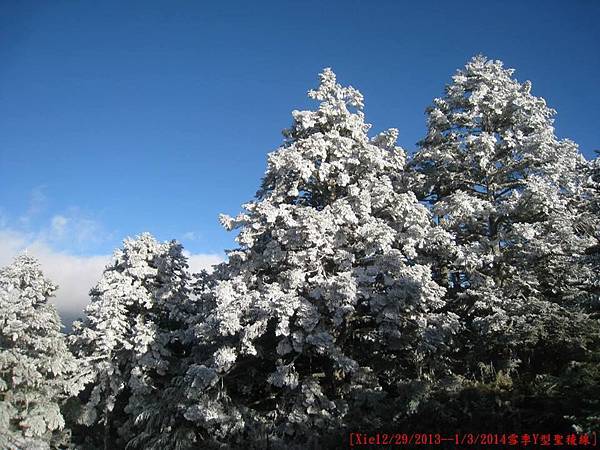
<point>489,126</point>
<point>328,151</point>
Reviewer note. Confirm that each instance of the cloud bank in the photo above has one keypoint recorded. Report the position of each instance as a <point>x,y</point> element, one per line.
<point>74,274</point>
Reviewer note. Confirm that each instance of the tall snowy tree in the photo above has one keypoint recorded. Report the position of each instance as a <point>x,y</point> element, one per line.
<point>328,306</point>
<point>130,338</point>
<point>500,180</point>
<point>37,370</point>
<point>496,176</point>
<point>493,167</point>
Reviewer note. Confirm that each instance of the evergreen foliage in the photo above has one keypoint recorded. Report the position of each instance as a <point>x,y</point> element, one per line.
<point>329,302</point>
<point>453,291</point>
<point>130,340</point>
<point>37,372</point>
<point>512,195</point>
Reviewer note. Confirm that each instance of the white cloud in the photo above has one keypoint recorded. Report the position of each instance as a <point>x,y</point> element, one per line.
<point>191,236</point>
<point>58,225</point>
<point>74,230</point>
<point>74,274</point>
<point>201,261</point>
<point>37,203</point>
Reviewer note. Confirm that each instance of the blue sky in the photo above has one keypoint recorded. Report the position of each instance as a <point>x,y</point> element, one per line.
<point>122,117</point>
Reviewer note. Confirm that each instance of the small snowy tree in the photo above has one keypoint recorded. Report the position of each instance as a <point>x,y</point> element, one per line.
<point>130,338</point>
<point>37,371</point>
<point>328,305</point>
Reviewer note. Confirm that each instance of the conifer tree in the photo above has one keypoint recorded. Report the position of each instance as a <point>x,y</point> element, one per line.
<point>499,179</point>
<point>130,339</point>
<point>588,270</point>
<point>328,305</point>
<point>496,176</point>
<point>37,370</point>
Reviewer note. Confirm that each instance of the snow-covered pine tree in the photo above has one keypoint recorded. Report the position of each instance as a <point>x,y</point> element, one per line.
<point>163,425</point>
<point>583,378</point>
<point>328,305</point>
<point>131,340</point>
<point>37,370</point>
<point>497,178</point>
<point>588,270</point>
<point>572,273</point>
<point>496,174</point>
